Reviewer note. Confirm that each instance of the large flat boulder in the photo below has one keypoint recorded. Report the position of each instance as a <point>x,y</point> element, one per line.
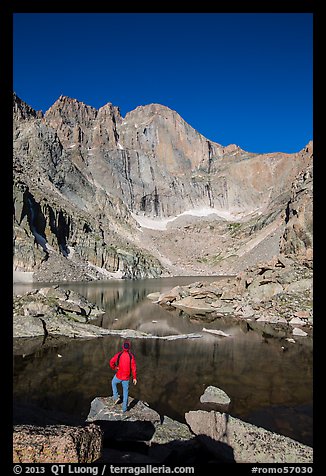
<point>234,440</point>
<point>193,305</point>
<point>104,408</point>
<point>137,424</point>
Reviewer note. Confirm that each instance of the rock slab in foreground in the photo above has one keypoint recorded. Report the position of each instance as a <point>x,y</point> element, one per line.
<point>235,440</point>
<point>56,444</point>
<point>103,408</point>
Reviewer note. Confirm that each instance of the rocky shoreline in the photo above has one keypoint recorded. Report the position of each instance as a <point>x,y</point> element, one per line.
<point>274,297</point>
<point>57,312</point>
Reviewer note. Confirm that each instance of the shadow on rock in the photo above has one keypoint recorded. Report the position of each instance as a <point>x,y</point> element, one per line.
<point>176,452</point>
<point>125,430</point>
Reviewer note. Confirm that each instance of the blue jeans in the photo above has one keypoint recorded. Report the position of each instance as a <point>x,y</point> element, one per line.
<point>125,388</point>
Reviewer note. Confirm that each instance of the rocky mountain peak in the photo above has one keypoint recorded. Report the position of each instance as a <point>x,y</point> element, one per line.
<point>22,111</point>
<point>70,111</point>
<point>150,110</point>
<point>109,111</point>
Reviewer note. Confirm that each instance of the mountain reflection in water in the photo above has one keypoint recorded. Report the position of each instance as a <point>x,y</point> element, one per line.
<point>268,386</point>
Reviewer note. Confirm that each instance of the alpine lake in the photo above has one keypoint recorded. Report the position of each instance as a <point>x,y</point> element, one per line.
<point>268,379</point>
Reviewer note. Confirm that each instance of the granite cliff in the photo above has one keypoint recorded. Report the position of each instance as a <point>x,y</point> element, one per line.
<point>97,195</point>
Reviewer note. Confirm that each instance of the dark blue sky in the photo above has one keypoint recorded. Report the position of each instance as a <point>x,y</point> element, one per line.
<point>243,78</point>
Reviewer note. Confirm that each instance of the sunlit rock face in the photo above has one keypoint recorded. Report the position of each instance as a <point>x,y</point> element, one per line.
<point>83,178</point>
<point>158,165</point>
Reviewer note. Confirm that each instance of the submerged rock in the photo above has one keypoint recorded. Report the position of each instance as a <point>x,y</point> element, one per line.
<point>216,332</point>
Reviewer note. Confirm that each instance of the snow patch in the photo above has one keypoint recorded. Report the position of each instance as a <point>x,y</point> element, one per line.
<point>22,276</point>
<point>161,223</point>
<point>71,252</point>
<point>115,275</point>
<point>153,223</point>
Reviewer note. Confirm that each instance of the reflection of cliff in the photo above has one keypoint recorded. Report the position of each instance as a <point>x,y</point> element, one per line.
<point>146,317</point>
<point>118,299</point>
<point>172,375</point>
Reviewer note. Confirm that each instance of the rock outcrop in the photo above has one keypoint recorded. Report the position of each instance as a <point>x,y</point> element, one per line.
<point>298,235</point>
<point>142,423</point>
<point>86,179</point>
<point>54,311</point>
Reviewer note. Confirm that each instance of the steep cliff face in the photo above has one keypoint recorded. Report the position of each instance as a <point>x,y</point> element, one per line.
<point>60,211</point>
<point>169,164</point>
<point>81,175</point>
<point>298,235</point>
<point>159,166</point>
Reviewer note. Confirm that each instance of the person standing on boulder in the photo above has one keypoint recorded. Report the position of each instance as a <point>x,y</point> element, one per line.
<point>124,363</point>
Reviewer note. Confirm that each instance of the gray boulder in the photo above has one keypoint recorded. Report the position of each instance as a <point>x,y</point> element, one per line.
<point>216,395</point>
<point>264,291</point>
<point>137,424</point>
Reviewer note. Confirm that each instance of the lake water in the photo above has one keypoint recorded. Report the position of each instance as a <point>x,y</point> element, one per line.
<point>269,386</point>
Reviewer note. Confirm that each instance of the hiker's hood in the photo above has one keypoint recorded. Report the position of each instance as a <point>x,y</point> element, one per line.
<point>126,346</point>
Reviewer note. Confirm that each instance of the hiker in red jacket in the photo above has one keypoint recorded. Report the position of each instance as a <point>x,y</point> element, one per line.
<point>124,363</point>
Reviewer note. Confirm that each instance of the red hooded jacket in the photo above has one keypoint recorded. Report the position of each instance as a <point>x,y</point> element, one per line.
<point>125,365</point>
